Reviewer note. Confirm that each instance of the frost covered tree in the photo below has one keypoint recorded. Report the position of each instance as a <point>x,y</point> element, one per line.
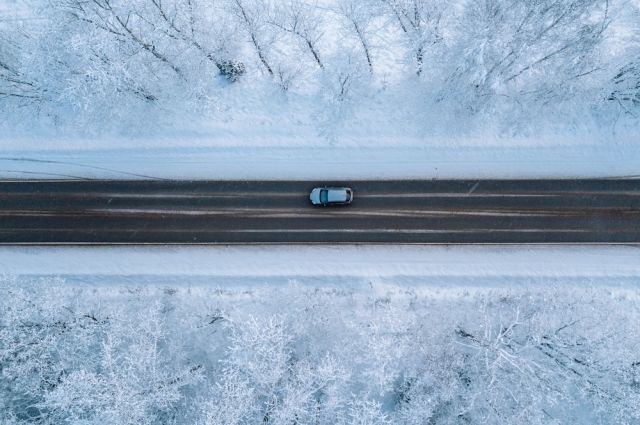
<point>497,63</point>
<point>206,355</point>
<point>95,55</point>
<point>304,21</point>
<point>169,35</point>
<point>359,17</point>
<point>14,84</point>
<point>138,380</point>
<point>526,51</point>
<point>253,17</point>
<point>420,22</point>
<point>625,85</point>
<point>64,365</point>
<point>165,29</point>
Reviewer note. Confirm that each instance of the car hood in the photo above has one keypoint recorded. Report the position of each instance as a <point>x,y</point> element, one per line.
<point>315,195</point>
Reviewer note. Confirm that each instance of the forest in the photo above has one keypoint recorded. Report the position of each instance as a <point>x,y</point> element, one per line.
<point>314,354</point>
<point>507,66</point>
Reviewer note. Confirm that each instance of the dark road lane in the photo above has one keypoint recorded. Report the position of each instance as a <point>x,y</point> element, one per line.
<point>445,211</point>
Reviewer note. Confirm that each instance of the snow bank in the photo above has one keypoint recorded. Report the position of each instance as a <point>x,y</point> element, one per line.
<point>323,162</point>
<point>482,262</point>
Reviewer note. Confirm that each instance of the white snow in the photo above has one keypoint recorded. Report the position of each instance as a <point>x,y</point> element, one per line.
<point>324,162</point>
<point>389,123</point>
<point>218,332</point>
<point>375,322</point>
<point>307,261</point>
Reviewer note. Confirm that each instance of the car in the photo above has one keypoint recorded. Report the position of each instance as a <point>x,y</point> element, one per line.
<point>328,196</point>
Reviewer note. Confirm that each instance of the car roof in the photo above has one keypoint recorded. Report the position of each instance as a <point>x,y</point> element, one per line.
<point>336,194</point>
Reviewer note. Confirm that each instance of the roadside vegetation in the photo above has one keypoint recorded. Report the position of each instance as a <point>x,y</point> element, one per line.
<point>281,355</point>
<point>513,67</point>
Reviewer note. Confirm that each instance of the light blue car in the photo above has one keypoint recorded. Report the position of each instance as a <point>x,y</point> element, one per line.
<point>327,196</point>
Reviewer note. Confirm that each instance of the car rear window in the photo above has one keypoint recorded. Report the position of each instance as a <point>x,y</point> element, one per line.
<point>324,196</point>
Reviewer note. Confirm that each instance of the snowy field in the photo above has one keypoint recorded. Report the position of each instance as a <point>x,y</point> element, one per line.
<point>402,335</point>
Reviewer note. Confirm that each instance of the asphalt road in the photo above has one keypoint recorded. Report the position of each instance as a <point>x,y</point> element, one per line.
<point>443,211</point>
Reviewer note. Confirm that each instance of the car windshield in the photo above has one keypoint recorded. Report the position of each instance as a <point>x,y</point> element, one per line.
<point>324,196</point>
